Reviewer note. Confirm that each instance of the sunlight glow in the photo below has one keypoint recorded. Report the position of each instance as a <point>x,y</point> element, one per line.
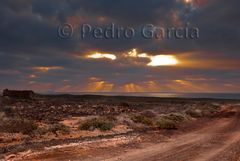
<point>98,55</point>
<point>187,1</point>
<point>143,55</point>
<point>158,60</point>
<point>133,53</point>
<point>154,60</point>
<point>132,87</point>
<point>47,68</point>
<point>32,76</point>
<point>100,86</point>
<point>163,60</point>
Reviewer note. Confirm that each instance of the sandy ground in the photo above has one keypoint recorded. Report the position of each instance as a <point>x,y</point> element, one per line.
<point>218,140</point>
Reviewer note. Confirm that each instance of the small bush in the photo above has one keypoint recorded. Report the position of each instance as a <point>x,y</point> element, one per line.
<point>58,127</point>
<point>176,117</point>
<point>165,123</point>
<point>97,123</point>
<point>54,128</point>
<point>41,131</point>
<point>16,125</point>
<point>194,113</point>
<point>28,126</point>
<point>139,118</point>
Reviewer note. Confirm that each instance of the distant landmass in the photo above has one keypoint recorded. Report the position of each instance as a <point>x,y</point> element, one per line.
<point>159,94</point>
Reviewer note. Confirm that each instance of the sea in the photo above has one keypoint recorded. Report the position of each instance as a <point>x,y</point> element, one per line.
<point>163,95</point>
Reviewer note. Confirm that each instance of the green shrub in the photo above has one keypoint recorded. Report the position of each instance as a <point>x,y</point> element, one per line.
<point>139,118</point>
<point>97,123</point>
<point>165,123</point>
<point>58,127</point>
<point>54,128</point>
<point>176,117</point>
<point>41,131</point>
<point>16,125</point>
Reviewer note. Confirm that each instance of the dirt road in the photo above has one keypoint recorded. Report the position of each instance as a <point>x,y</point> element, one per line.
<point>219,140</point>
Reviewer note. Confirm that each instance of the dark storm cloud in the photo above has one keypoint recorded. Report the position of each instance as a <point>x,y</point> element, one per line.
<point>29,39</point>
<point>218,24</point>
<point>32,30</point>
<point>133,11</point>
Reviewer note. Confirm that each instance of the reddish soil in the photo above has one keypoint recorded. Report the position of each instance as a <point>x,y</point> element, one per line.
<point>217,140</point>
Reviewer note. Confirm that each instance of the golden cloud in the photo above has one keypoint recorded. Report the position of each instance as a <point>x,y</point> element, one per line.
<point>47,68</point>
<point>157,60</point>
<point>98,55</point>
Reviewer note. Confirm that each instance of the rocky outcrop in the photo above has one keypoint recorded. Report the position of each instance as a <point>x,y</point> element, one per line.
<point>26,94</point>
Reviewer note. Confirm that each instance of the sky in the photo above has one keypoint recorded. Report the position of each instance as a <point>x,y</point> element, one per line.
<point>36,54</point>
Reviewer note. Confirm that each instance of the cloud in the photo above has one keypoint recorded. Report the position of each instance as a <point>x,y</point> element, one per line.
<point>29,45</point>
<point>98,55</point>
<point>47,68</point>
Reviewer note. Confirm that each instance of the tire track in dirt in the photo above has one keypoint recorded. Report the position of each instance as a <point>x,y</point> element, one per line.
<point>220,141</point>
<point>185,147</point>
<point>231,151</point>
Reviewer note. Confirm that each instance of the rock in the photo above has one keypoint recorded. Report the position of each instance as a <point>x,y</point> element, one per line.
<point>11,156</point>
